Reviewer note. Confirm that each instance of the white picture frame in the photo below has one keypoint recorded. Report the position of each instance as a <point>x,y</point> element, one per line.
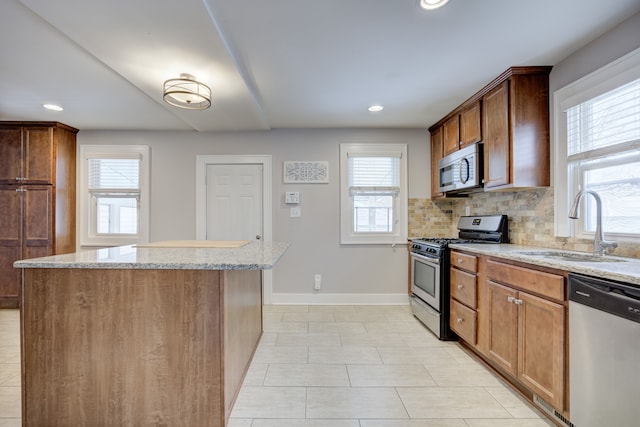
<point>305,172</point>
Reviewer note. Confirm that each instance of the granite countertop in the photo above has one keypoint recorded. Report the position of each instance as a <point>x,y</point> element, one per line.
<point>257,255</point>
<point>615,268</point>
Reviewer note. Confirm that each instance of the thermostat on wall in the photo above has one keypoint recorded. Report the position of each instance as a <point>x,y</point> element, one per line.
<point>292,197</point>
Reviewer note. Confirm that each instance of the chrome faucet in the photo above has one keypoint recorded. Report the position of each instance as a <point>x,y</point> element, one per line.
<point>599,244</point>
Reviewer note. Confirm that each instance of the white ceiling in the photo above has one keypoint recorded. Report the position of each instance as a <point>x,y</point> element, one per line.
<point>276,63</point>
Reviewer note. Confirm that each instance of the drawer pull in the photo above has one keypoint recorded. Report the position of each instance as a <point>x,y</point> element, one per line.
<point>460,319</point>
<point>514,300</point>
<point>460,261</point>
<point>460,286</point>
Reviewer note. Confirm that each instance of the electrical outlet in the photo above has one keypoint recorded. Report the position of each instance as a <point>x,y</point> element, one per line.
<point>318,282</point>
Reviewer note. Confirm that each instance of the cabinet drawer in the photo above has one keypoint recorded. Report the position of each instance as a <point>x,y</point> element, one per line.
<point>463,287</point>
<point>464,261</point>
<point>463,322</point>
<point>538,282</point>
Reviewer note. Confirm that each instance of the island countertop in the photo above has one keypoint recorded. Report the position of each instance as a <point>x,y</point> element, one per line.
<point>257,255</point>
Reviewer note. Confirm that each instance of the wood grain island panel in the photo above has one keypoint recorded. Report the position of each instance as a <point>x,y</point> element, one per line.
<point>136,346</point>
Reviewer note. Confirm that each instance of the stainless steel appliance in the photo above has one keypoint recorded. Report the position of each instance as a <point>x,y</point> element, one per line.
<point>430,269</point>
<point>604,361</point>
<point>462,170</point>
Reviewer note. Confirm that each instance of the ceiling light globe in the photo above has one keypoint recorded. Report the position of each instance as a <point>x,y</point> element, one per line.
<point>185,92</point>
<point>432,4</point>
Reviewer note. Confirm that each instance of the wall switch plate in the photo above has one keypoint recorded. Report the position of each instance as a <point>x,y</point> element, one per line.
<point>292,197</point>
<point>317,282</point>
<point>295,212</point>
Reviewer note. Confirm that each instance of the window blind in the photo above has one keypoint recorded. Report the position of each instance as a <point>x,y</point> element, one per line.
<point>374,173</point>
<point>606,123</point>
<point>114,174</point>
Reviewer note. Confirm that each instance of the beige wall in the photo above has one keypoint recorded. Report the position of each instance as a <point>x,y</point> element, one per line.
<point>315,245</point>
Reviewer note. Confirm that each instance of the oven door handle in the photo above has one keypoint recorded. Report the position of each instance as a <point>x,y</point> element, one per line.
<point>428,260</point>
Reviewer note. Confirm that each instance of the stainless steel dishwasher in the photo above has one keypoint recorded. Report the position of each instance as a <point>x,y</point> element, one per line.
<point>604,346</point>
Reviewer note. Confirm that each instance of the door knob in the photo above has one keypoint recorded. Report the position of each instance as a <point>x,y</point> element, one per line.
<point>258,237</point>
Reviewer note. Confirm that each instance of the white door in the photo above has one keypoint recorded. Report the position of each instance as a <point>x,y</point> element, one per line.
<point>234,202</point>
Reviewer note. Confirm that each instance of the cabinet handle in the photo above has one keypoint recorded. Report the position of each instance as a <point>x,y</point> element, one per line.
<point>510,299</point>
<point>460,320</point>
<point>460,286</point>
<point>18,178</point>
<point>518,302</point>
<point>20,190</point>
<point>460,261</point>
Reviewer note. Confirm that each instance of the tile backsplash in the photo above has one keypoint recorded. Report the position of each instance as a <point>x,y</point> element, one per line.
<point>530,219</point>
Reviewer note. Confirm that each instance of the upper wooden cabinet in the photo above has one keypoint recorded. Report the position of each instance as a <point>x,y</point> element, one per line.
<point>510,116</point>
<point>462,129</point>
<point>436,155</point>
<point>516,131</point>
<point>30,153</point>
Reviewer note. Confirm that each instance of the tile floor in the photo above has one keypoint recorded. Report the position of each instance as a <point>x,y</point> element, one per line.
<point>341,366</point>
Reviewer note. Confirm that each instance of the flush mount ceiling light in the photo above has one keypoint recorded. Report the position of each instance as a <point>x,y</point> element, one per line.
<point>375,108</point>
<point>186,92</point>
<point>53,107</point>
<point>432,4</point>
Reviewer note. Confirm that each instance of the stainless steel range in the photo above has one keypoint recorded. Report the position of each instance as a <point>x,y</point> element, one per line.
<point>430,269</point>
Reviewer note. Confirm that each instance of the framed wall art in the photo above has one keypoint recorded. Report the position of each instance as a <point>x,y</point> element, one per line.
<point>302,172</point>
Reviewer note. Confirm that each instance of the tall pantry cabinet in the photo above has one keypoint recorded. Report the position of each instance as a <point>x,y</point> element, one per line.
<point>37,197</point>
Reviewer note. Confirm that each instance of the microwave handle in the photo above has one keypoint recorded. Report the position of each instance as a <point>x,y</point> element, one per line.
<point>464,180</point>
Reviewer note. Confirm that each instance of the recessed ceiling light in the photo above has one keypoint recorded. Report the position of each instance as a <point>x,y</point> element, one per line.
<point>375,108</point>
<point>53,107</point>
<point>432,4</point>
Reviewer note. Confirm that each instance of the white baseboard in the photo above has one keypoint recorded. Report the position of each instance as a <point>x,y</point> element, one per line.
<point>340,299</point>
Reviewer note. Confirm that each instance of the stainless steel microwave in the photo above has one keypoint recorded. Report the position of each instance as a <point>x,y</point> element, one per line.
<point>461,171</point>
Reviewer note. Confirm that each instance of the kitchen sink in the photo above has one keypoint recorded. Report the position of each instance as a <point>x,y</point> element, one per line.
<point>570,256</point>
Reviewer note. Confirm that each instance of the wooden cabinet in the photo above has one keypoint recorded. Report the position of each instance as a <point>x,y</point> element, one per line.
<point>462,282</point>
<point>462,129</point>
<point>515,122</point>
<point>436,155</point>
<point>26,155</point>
<point>524,329</point>
<point>510,116</point>
<point>37,197</point>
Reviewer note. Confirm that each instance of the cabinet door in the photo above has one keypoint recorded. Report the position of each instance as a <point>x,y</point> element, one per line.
<point>502,337</point>
<point>470,128</point>
<point>451,135</point>
<point>38,155</point>
<point>496,136</point>
<point>541,347</point>
<point>38,221</point>
<point>10,241</point>
<point>10,155</point>
<point>436,155</point>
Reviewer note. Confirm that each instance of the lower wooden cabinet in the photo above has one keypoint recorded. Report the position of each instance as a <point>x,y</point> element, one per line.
<point>526,338</point>
<point>518,324</point>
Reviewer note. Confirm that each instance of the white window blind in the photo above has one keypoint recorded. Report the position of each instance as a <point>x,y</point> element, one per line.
<point>607,123</point>
<point>114,195</point>
<point>373,193</point>
<point>114,174</point>
<point>374,173</point>
<point>603,137</point>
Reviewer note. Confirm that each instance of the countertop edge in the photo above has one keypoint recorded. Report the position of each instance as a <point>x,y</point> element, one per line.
<point>254,256</point>
<point>627,271</point>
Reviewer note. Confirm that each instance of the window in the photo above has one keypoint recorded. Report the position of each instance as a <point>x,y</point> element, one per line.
<point>113,208</point>
<point>599,149</point>
<point>373,193</point>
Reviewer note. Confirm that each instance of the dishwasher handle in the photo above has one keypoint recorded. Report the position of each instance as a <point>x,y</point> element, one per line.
<point>618,299</point>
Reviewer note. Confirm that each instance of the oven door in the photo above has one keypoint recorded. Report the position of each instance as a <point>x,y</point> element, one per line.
<point>425,279</point>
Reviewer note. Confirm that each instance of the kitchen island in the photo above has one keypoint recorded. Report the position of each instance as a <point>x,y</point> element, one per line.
<point>157,336</point>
